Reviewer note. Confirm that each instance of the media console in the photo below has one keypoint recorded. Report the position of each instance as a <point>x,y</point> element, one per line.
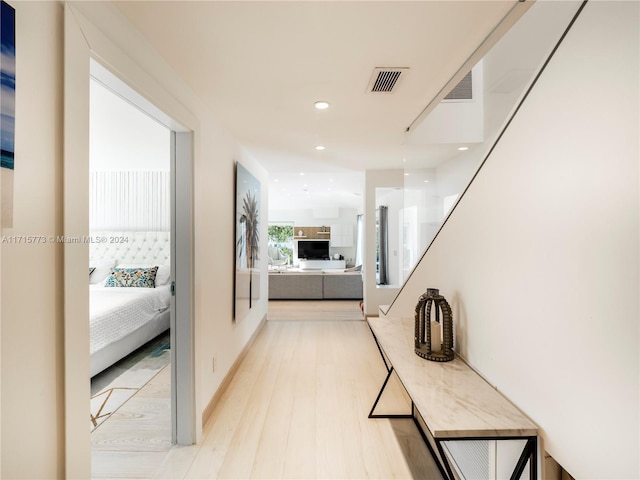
<point>321,264</point>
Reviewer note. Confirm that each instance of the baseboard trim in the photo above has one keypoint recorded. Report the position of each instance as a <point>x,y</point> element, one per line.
<point>206,413</point>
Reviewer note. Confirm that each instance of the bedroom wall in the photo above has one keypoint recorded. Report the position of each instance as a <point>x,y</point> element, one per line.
<point>31,296</point>
<point>122,137</point>
<point>129,163</point>
<point>540,260</point>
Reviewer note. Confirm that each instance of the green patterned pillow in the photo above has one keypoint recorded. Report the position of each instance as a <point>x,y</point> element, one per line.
<point>132,277</point>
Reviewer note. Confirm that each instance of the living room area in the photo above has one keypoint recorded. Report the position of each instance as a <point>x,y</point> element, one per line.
<point>315,253</point>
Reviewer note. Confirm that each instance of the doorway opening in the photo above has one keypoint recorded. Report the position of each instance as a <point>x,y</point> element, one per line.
<point>130,276</point>
<point>141,233</point>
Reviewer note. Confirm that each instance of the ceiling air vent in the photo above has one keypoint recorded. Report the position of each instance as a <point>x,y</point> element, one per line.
<point>383,80</point>
<point>463,90</point>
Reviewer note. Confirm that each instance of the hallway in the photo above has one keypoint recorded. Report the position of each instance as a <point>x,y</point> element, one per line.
<point>297,408</point>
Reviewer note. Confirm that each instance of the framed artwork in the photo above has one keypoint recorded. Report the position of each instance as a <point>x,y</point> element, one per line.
<point>7,108</point>
<point>247,236</point>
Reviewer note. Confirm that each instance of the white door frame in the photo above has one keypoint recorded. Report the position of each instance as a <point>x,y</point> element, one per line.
<point>182,329</point>
<point>86,53</point>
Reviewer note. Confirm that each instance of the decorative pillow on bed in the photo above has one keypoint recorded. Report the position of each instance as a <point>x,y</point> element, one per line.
<point>132,277</point>
<point>163,275</point>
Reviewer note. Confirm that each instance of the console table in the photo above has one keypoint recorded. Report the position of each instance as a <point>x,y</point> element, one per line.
<point>450,401</point>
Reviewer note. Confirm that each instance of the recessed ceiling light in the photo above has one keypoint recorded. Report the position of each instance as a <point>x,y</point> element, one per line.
<point>319,147</point>
<point>407,174</point>
<point>276,180</point>
<point>426,181</point>
<point>321,105</point>
<point>301,173</point>
<point>462,149</point>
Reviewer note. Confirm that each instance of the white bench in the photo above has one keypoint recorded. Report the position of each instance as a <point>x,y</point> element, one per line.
<point>451,402</point>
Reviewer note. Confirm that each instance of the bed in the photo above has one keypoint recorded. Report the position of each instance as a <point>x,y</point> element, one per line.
<point>126,315</point>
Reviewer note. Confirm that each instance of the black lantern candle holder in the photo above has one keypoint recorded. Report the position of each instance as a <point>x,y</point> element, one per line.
<point>425,327</point>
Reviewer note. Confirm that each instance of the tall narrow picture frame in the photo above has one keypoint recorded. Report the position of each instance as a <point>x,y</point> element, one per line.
<point>247,237</point>
<point>7,108</point>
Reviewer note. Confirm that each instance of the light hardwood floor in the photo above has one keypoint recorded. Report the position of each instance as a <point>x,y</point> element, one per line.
<point>137,437</point>
<point>321,310</point>
<point>296,408</point>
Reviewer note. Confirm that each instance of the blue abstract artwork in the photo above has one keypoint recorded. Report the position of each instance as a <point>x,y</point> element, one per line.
<point>8,84</point>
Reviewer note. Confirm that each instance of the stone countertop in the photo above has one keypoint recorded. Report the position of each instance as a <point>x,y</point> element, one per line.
<point>451,397</point>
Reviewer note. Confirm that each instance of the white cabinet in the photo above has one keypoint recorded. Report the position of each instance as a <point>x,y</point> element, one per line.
<point>322,264</point>
<point>341,235</point>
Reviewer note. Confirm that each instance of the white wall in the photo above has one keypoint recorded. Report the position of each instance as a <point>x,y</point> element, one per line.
<point>31,297</point>
<point>455,121</point>
<point>35,412</point>
<point>425,202</point>
<point>540,260</point>
<point>123,138</point>
<point>218,336</point>
<point>130,200</point>
<point>375,295</point>
<point>215,154</point>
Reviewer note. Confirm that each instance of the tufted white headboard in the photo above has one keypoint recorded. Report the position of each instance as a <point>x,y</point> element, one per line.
<point>140,248</point>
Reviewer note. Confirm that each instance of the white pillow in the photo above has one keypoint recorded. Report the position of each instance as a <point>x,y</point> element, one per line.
<point>101,272</point>
<point>162,276</point>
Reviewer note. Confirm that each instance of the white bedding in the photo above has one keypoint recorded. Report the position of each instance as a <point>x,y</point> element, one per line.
<point>118,312</point>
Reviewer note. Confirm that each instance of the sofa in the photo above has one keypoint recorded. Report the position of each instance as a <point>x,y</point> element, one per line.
<point>315,285</point>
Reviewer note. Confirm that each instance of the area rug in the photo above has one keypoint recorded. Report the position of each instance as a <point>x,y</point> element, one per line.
<point>112,388</point>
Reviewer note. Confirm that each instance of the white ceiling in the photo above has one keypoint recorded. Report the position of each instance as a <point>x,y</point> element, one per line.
<point>261,65</point>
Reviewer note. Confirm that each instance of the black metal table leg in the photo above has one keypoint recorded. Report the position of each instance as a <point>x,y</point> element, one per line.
<point>386,380</point>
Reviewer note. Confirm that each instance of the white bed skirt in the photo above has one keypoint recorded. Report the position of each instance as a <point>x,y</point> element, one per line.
<point>107,356</point>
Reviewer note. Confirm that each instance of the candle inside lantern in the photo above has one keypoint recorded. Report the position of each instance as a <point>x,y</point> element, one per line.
<point>436,336</point>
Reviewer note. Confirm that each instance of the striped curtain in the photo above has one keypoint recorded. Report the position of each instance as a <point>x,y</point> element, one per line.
<point>132,201</point>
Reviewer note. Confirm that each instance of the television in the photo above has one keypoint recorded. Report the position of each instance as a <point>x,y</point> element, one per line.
<point>313,249</point>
